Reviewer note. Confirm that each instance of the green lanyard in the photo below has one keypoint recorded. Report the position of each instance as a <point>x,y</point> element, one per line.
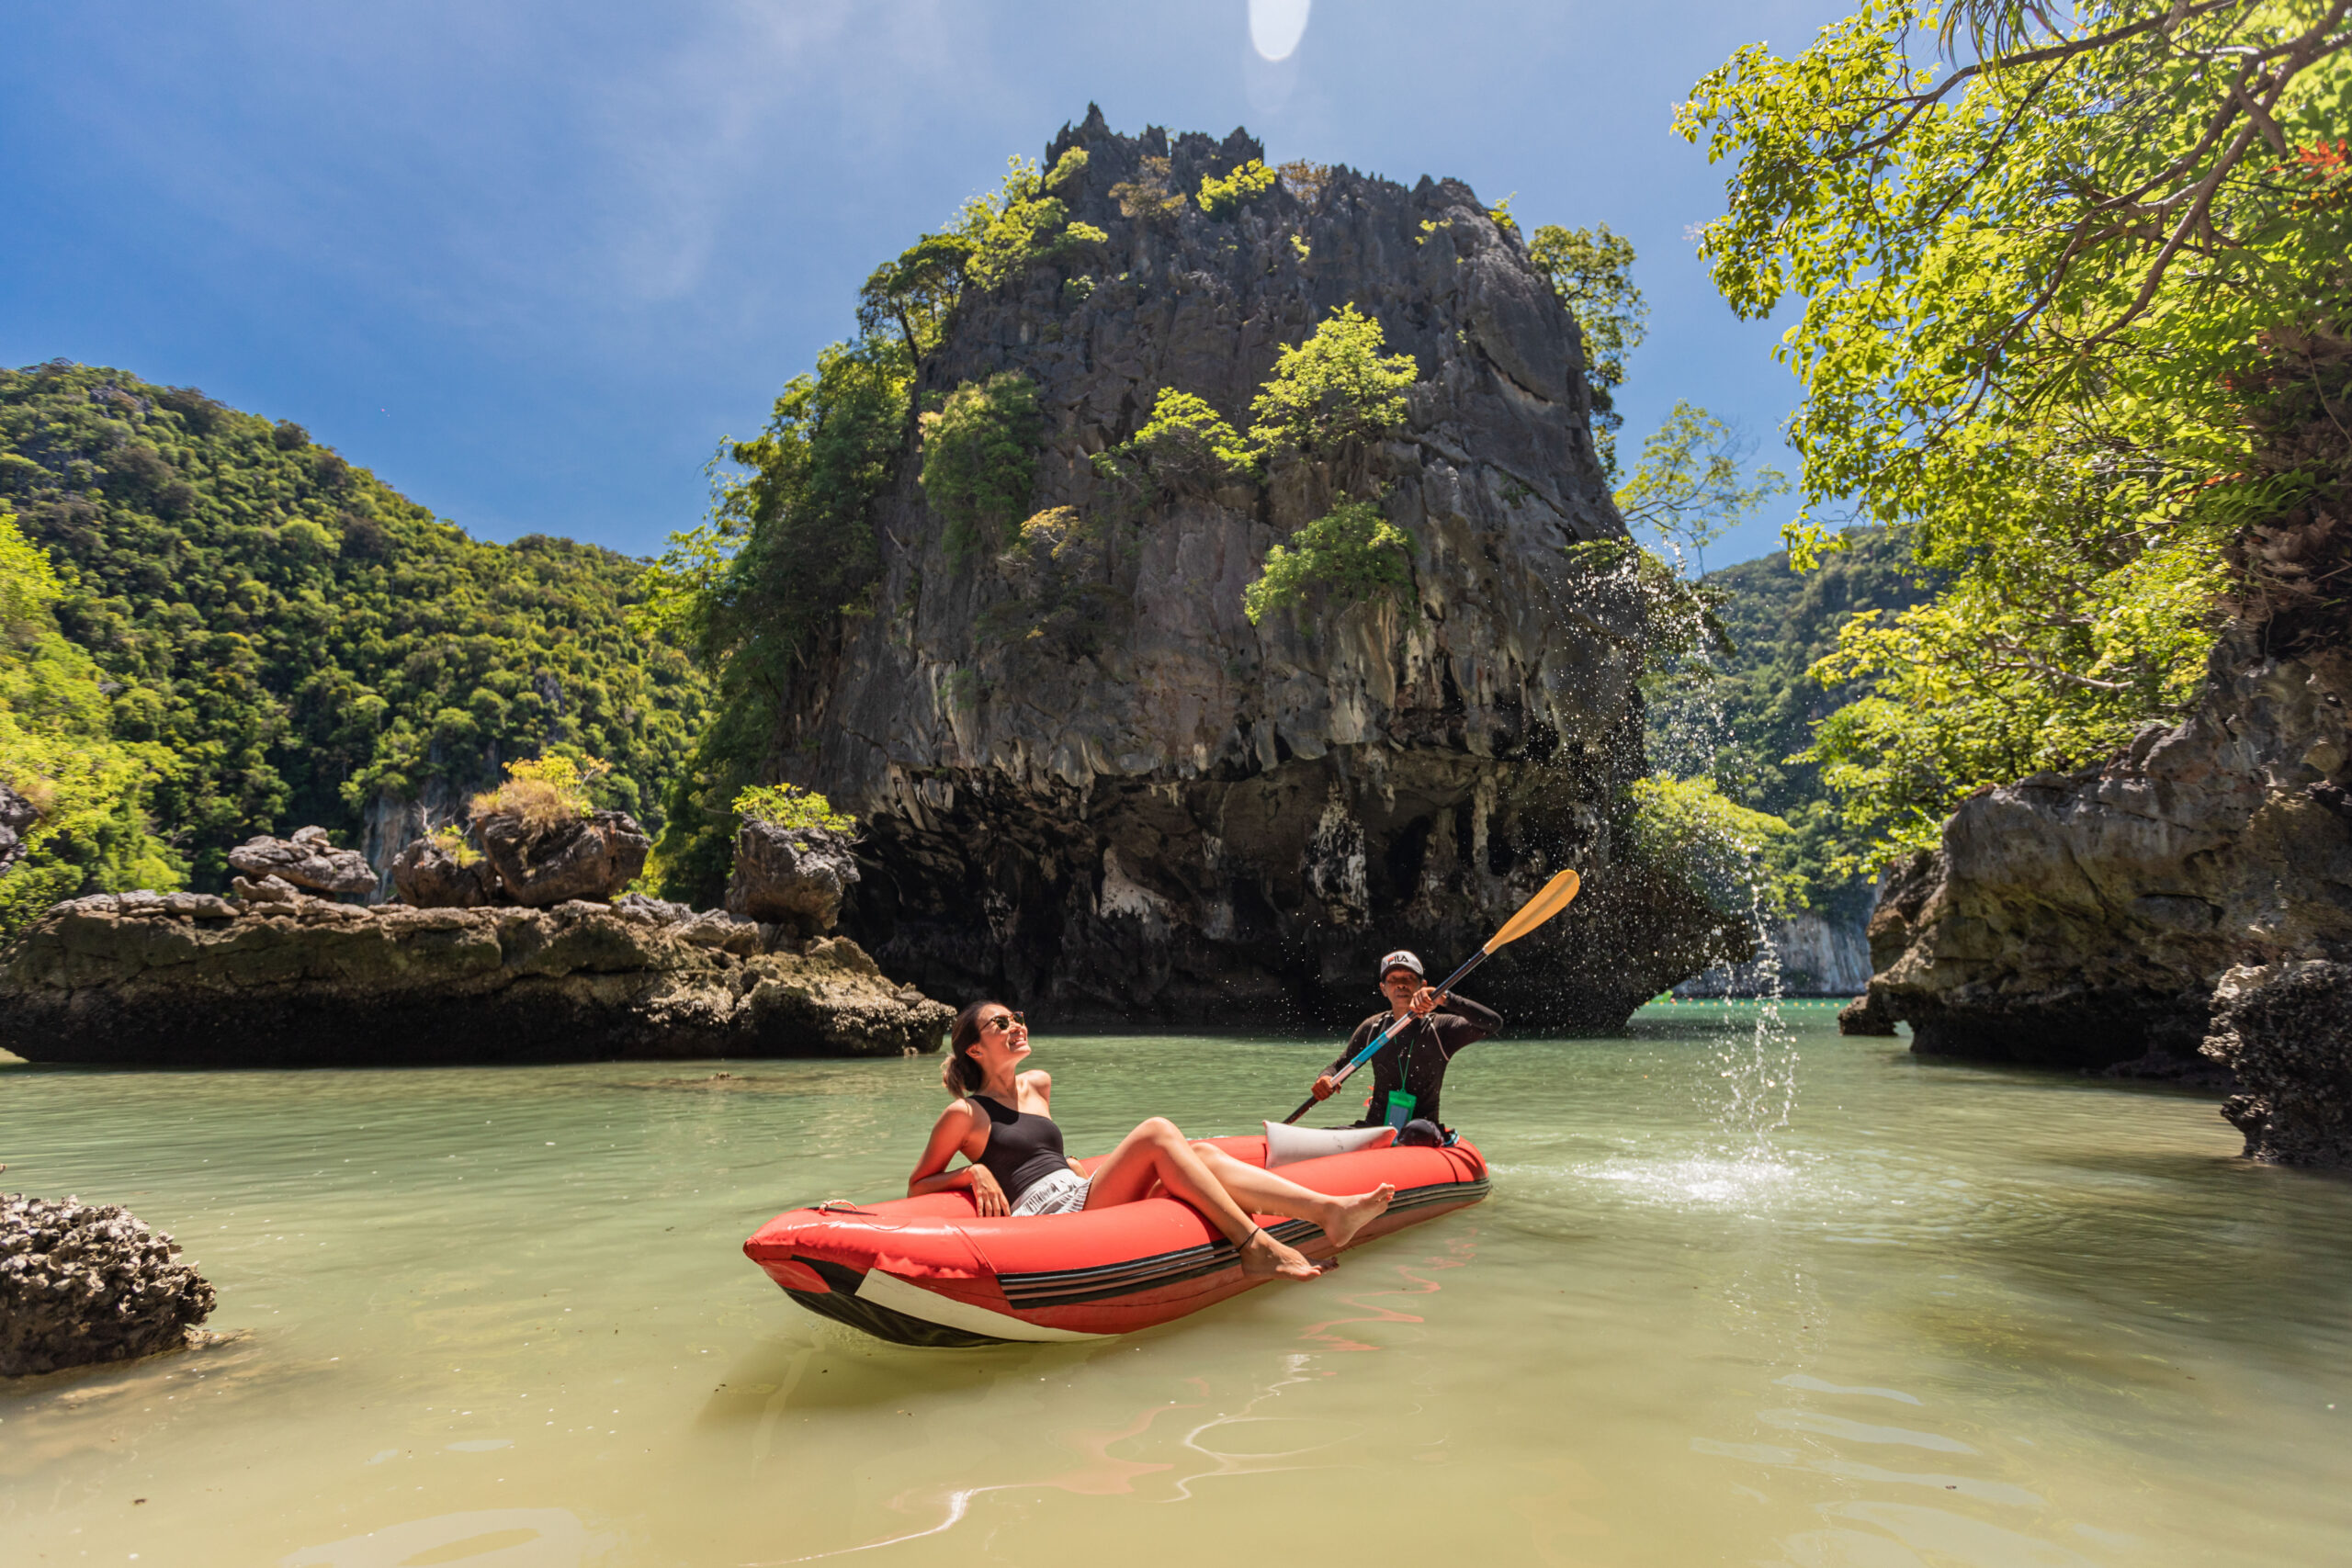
<point>1401,1100</point>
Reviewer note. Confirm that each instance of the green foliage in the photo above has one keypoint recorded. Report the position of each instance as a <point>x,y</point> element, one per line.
<point>1186,442</point>
<point>2038,289</point>
<point>1335,385</point>
<point>979,460</point>
<point>293,637</point>
<point>1690,829</point>
<point>991,238</point>
<point>1690,489</point>
<point>790,805</point>
<point>1960,688</point>
<point>58,750</point>
<point>1222,199</point>
<point>451,841</point>
<point>1148,196</point>
<point>1304,180</point>
<point>1746,712</point>
<point>1676,618</point>
<point>1352,552</point>
<point>789,547</point>
<point>1593,272</point>
<point>542,793</point>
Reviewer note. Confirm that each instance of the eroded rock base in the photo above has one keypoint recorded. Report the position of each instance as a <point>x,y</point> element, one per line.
<point>2284,1030</point>
<point>189,980</point>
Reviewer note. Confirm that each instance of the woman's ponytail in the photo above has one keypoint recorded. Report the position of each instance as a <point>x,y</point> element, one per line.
<point>959,1074</point>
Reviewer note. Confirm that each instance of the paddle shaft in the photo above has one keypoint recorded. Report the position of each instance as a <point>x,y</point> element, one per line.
<point>1369,1052</point>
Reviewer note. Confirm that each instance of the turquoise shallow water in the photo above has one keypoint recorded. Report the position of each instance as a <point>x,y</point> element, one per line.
<point>1807,1301</point>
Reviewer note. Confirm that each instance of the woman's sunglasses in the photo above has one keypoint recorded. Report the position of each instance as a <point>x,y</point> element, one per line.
<point>1002,1022</point>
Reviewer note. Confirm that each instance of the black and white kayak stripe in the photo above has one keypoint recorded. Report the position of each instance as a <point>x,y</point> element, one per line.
<point>1070,1287</point>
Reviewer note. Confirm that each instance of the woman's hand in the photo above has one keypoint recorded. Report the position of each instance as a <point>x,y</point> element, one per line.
<point>1324,1086</point>
<point>1427,1001</point>
<point>988,1195</point>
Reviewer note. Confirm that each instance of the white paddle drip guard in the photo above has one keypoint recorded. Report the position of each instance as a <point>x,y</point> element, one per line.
<point>1287,1145</point>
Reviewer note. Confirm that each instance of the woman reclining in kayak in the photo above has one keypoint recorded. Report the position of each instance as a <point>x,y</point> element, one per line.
<point>999,1121</point>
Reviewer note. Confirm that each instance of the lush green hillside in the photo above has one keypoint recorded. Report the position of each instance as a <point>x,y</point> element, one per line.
<point>290,637</point>
<point>1746,721</point>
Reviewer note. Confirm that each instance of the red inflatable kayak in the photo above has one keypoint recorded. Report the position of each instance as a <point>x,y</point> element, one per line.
<point>931,1272</point>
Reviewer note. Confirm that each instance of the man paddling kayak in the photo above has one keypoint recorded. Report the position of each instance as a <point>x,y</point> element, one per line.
<point>1409,1073</point>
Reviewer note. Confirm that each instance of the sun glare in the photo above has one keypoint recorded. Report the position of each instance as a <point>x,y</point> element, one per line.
<point>1276,26</point>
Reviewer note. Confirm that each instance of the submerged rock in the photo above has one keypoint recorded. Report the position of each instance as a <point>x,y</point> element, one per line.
<point>307,860</point>
<point>793,876</point>
<point>126,978</point>
<point>82,1283</point>
<point>2284,1031</point>
<point>591,857</point>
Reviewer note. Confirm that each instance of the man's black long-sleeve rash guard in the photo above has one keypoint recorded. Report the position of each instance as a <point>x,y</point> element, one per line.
<point>1416,1059</point>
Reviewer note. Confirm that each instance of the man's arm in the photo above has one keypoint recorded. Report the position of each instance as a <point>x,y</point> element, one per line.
<point>1356,1042</point>
<point>1326,1080</point>
<point>1465,1023</point>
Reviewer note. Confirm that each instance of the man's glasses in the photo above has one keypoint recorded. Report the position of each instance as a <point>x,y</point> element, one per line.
<point>1002,1022</point>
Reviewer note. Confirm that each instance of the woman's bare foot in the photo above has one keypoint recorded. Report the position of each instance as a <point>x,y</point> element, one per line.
<point>1350,1215</point>
<point>1263,1258</point>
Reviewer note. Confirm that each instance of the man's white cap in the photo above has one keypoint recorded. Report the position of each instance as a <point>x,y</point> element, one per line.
<point>1400,959</point>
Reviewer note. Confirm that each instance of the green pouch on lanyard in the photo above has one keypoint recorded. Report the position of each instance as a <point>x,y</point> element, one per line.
<point>1401,1109</point>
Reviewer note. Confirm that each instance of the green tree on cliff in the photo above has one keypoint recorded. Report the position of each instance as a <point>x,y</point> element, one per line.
<point>2037,287</point>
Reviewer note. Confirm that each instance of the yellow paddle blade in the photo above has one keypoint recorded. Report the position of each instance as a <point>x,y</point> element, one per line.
<point>1554,898</point>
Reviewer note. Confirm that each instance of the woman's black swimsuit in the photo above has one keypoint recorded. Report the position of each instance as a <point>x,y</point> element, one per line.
<point>1022,1148</point>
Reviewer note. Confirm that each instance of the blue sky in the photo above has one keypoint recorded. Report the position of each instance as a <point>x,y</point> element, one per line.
<point>530,261</point>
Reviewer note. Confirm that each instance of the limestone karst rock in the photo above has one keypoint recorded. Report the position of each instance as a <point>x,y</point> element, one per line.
<point>1089,784</point>
<point>430,876</point>
<point>308,859</point>
<point>17,819</point>
<point>2086,920</point>
<point>593,857</point>
<point>139,978</point>
<point>86,1282</point>
<point>793,876</point>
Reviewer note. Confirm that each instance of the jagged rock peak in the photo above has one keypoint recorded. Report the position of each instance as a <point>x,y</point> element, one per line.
<point>1074,739</point>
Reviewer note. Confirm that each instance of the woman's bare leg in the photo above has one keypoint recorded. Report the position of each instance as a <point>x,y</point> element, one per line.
<point>1262,1193</point>
<point>1157,1152</point>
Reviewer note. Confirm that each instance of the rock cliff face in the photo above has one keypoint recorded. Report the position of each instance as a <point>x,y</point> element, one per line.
<point>1146,806</point>
<point>185,979</point>
<point>2086,920</point>
<point>1812,954</point>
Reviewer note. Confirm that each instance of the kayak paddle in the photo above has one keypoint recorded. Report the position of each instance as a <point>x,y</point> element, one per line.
<point>1548,902</point>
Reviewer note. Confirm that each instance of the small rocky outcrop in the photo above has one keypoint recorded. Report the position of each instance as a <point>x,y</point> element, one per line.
<point>430,876</point>
<point>2284,1032</point>
<point>793,876</point>
<point>82,1283</point>
<point>1866,1014</point>
<point>308,861</point>
<point>16,820</point>
<point>191,980</point>
<point>591,857</point>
